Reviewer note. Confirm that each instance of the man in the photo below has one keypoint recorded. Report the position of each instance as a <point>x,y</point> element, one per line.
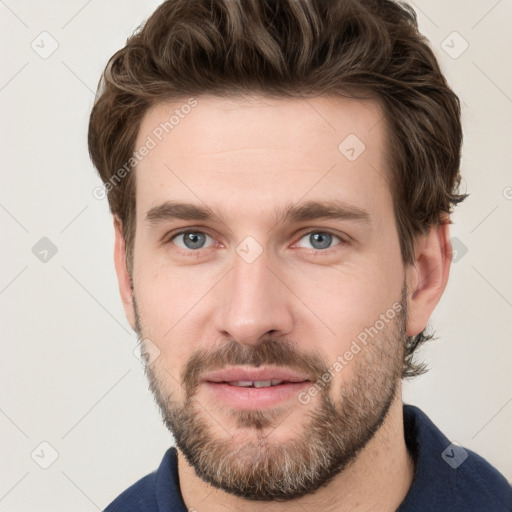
<point>281,176</point>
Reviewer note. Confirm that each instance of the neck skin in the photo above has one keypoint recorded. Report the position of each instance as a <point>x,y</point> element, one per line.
<point>377,480</point>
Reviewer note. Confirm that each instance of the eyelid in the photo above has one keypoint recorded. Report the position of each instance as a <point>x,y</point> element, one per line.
<point>169,235</point>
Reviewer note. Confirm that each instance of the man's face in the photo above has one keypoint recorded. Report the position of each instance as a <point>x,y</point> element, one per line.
<point>315,301</point>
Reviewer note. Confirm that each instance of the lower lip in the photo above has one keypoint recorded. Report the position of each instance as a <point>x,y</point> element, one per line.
<point>255,398</point>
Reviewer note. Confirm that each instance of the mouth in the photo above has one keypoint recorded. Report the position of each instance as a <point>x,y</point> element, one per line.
<point>255,388</point>
<point>257,383</point>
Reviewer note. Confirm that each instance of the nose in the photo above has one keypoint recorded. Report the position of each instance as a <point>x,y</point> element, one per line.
<point>253,303</point>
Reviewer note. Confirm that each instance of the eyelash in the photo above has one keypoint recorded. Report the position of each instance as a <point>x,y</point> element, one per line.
<point>198,252</point>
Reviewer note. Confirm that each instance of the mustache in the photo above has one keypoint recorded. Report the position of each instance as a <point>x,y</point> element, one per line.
<point>271,352</point>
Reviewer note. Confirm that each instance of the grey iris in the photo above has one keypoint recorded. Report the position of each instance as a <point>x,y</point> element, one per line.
<point>320,240</point>
<point>194,240</point>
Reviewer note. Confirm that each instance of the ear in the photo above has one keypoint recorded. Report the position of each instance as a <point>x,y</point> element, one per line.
<point>428,276</point>
<point>123,277</point>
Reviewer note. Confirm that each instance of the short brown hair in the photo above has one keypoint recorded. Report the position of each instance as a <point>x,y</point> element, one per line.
<point>298,49</point>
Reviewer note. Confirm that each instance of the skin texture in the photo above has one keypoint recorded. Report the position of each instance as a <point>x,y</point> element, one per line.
<point>293,306</point>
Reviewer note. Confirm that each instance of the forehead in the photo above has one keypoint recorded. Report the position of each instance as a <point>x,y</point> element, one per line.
<point>234,152</point>
<point>206,121</point>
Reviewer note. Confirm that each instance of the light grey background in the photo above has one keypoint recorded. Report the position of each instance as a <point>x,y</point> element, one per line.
<point>68,373</point>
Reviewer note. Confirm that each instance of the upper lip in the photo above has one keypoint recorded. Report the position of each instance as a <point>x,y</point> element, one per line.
<point>254,374</point>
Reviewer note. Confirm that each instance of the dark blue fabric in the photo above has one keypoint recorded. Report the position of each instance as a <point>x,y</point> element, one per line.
<point>472,486</point>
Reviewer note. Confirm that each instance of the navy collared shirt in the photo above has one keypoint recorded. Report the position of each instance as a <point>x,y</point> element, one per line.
<point>448,478</point>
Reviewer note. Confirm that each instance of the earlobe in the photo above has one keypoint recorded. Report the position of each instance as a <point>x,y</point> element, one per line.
<point>123,276</point>
<point>428,277</point>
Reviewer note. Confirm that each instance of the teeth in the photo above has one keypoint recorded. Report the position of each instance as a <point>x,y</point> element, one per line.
<point>256,383</point>
<point>243,383</point>
<point>262,383</point>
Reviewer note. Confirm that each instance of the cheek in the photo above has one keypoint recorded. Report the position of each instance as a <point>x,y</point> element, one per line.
<point>167,295</point>
<point>169,301</point>
<point>340,302</point>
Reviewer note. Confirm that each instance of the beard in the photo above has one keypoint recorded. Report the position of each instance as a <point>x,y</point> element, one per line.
<point>246,462</point>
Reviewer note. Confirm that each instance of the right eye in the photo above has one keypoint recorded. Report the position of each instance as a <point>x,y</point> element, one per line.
<point>191,240</point>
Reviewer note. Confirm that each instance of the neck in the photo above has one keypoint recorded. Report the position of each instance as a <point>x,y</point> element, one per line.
<point>377,480</point>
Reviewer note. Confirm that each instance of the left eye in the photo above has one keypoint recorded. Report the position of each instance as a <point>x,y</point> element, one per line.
<point>192,240</point>
<point>320,240</point>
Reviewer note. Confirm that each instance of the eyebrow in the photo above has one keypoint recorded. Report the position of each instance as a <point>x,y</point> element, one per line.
<point>311,210</point>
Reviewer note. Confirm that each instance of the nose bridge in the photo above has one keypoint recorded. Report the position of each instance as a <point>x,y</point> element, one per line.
<point>253,302</point>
